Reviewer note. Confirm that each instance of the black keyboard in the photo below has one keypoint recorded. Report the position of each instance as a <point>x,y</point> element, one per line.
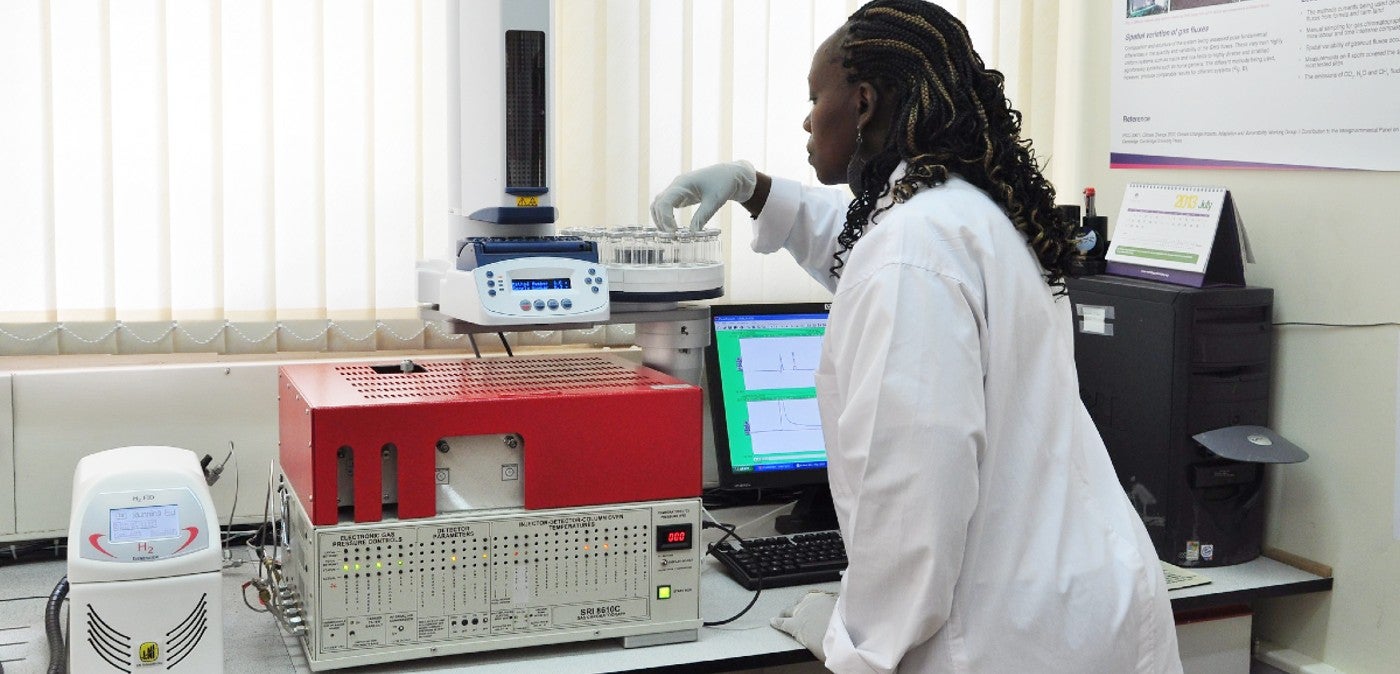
<point>779,561</point>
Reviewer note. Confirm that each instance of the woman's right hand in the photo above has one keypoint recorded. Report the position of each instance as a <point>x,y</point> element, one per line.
<point>710,187</point>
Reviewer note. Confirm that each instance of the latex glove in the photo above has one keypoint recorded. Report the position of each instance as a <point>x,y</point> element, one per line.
<point>806,621</point>
<point>710,187</point>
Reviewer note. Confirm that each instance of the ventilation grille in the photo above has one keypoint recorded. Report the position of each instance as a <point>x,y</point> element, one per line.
<point>490,378</point>
<point>182,640</point>
<point>112,646</point>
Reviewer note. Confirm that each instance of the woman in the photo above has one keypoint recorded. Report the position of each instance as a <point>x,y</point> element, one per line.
<point>985,528</point>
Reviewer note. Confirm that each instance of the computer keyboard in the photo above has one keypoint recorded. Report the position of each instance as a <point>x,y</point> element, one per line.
<point>779,561</point>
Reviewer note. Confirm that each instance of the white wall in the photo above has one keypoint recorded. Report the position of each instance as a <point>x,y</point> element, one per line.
<point>50,417</point>
<point>1326,243</point>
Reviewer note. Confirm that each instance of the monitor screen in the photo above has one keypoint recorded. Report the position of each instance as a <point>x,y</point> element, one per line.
<point>763,399</point>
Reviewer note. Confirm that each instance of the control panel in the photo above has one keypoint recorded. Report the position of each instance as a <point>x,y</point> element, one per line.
<point>473,581</point>
<point>527,290</point>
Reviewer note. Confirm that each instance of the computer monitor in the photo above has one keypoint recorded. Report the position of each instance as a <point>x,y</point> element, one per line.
<point>763,401</point>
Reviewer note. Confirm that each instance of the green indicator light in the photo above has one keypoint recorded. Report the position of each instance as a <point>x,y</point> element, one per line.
<point>357,567</point>
<point>345,568</point>
<point>379,565</point>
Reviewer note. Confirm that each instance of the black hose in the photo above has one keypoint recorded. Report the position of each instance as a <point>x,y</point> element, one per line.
<point>58,651</point>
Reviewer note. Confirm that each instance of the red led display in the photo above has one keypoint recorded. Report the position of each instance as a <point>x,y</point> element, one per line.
<point>673,537</point>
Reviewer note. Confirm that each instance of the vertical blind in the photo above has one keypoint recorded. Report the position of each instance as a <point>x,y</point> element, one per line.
<point>651,89</point>
<point>199,159</point>
<point>265,162</point>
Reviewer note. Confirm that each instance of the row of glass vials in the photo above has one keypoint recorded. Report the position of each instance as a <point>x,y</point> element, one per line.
<point>648,246</point>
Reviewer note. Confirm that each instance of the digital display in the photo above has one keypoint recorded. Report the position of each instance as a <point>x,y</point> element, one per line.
<point>673,537</point>
<point>541,284</point>
<point>147,523</point>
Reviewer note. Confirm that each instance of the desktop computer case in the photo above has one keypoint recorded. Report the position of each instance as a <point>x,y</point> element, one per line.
<point>1157,364</point>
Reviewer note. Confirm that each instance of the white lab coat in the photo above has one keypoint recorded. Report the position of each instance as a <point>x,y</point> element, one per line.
<point>985,527</point>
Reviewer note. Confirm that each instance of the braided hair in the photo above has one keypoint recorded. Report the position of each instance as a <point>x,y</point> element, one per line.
<point>950,116</point>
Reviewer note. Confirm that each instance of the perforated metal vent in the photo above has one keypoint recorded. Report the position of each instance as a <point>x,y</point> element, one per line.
<point>495,376</point>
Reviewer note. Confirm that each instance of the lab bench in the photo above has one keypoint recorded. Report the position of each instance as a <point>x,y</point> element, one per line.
<point>254,644</point>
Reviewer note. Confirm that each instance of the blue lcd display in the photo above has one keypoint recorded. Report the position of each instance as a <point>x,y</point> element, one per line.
<point>541,284</point>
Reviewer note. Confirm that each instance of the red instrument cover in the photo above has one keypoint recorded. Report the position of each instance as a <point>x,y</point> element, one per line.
<point>596,428</point>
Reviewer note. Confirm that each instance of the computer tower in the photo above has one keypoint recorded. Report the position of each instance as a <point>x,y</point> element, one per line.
<point>1157,364</point>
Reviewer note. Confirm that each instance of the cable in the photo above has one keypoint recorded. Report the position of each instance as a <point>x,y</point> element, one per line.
<point>58,649</point>
<point>1339,325</point>
<point>246,584</point>
<point>729,532</point>
<point>720,497</point>
<point>766,515</point>
<point>237,470</point>
<point>506,344</point>
<point>274,594</point>
<point>267,513</point>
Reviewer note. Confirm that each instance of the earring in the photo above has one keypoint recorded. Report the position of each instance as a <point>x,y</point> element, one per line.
<point>860,139</point>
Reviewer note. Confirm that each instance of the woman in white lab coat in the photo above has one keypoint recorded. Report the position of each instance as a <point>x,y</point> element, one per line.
<point>985,528</point>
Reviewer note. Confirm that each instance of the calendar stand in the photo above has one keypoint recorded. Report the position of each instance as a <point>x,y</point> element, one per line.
<point>1181,235</point>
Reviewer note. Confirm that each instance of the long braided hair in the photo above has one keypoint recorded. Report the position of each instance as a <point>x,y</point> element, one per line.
<point>951,116</point>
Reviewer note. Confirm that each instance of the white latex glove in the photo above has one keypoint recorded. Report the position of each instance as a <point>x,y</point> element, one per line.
<point>710,187</point>
<point>806,621</point>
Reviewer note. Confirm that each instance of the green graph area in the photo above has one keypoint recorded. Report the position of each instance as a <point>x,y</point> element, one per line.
<point>737,397</point>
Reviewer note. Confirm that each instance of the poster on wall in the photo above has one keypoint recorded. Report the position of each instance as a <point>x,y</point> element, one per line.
<point>1282,84</point>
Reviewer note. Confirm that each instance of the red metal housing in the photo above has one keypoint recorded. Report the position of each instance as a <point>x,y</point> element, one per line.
<point>596,429</point>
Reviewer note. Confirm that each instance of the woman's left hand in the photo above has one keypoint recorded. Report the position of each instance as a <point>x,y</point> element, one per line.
<point>806,621</point>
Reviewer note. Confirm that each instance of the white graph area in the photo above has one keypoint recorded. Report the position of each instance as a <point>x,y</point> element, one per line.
<point>779,362</point>
<point>785,426</point>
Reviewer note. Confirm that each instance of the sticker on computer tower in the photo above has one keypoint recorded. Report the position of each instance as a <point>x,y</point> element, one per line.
<point>1094,320</point>
<point>1193,551</point>
<point>1207,551</point>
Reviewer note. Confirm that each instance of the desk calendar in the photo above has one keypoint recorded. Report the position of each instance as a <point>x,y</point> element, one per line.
<point>1177,234</point>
